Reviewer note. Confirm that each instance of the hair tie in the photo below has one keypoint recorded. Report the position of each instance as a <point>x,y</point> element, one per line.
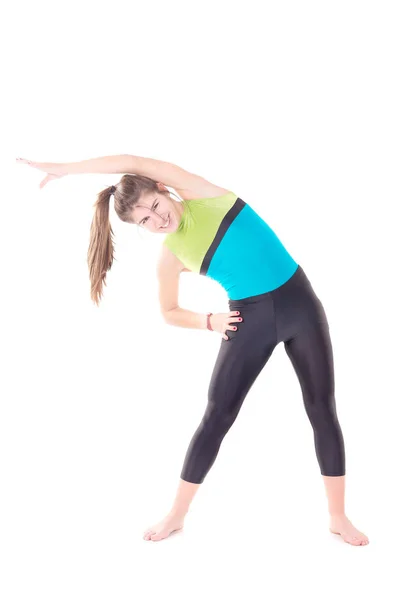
<point>113,188</point>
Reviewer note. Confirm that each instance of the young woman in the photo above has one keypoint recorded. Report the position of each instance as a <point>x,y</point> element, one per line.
<point>214,232</point>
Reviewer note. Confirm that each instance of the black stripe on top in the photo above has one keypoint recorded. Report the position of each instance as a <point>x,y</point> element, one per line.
<point>222,229</point>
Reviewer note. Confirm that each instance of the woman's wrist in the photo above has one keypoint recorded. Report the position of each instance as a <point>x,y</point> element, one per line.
<point>208,322</point>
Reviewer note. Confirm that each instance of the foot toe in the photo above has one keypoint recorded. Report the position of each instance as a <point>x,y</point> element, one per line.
<point>148,534</point>
<point>354,540</point>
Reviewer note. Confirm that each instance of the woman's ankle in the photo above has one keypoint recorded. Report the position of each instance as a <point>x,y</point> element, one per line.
<point>178,512</point>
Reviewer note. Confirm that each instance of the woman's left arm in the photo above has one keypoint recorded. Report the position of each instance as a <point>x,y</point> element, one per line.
<point>187,184</point>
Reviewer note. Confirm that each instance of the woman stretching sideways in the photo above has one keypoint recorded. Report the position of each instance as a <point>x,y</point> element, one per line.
<point>212,231</point>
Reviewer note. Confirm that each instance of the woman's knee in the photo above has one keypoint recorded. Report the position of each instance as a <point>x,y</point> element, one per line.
<point>216,420</point>
<point>321,409</point>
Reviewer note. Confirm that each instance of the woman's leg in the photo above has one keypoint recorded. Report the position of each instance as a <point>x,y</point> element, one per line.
<point>239,361</point>
<point>310,352</point>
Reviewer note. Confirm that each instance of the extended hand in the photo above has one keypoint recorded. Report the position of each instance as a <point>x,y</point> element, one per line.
<point>53,170</point>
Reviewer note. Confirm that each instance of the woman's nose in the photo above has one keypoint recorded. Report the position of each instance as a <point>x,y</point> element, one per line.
<point>161,220</point>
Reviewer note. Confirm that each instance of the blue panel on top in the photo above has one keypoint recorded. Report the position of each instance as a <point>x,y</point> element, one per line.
<point>250,258</point>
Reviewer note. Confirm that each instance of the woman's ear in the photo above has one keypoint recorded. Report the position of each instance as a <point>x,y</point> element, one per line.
<point>162,187</point>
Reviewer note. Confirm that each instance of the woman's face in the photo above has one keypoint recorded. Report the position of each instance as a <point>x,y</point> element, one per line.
<point>157,212</point>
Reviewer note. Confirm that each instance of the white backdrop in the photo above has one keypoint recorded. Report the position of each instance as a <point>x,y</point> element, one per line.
<point>295,107</point>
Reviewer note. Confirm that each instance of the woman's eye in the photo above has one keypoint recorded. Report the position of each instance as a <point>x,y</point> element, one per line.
<point>146,218</point>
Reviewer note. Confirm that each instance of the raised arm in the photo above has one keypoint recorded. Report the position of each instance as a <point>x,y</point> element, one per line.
<point>188,185</point>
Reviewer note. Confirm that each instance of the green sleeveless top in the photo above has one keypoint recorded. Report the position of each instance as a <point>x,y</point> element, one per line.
<point>200,221</point>
<point>225,239</point>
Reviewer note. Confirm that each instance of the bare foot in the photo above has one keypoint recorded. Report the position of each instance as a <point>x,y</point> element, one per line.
<point>172,522</point>
<point>342,526</point>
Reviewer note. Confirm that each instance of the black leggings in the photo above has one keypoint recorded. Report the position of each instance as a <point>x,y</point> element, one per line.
<point>293,314</point>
